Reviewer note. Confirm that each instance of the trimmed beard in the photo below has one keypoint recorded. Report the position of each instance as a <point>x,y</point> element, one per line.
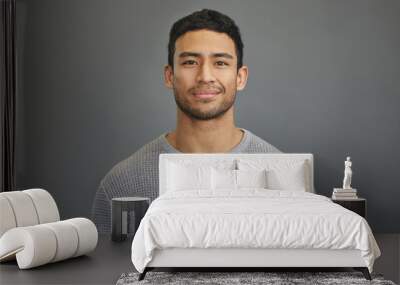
<point>197,114</point>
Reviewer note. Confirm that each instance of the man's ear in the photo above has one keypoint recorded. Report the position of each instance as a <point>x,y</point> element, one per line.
<point>168,76</point>
<point>241,79</point>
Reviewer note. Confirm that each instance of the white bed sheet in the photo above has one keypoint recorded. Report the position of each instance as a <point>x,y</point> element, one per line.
<point>250,218</point>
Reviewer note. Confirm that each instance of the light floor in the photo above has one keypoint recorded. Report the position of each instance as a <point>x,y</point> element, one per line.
<point>388,263</point>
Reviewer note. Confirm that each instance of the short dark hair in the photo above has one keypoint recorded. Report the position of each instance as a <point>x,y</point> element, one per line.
<point>209,20</point>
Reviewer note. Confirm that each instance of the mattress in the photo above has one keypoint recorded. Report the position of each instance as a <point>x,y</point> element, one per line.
<point>253,218</point>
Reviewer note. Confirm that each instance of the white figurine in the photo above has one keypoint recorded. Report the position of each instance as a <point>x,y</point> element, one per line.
<point>347,174</point>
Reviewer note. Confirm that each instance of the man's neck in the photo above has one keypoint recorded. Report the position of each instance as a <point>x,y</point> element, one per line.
<point>202,139</point>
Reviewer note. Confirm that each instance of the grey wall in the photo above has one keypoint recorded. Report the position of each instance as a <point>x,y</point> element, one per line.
<point>324,78</point>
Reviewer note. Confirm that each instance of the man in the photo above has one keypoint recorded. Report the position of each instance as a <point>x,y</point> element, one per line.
<point>205,71</point>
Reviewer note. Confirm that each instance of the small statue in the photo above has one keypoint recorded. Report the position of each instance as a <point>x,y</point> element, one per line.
<point>347,174</point>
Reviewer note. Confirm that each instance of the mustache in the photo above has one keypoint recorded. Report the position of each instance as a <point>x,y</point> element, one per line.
<point>210,88</point>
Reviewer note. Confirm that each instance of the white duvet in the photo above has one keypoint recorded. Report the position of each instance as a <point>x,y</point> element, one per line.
<point>250,218</point>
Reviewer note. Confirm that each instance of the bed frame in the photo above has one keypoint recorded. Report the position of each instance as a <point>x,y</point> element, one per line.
<point>244,259</point>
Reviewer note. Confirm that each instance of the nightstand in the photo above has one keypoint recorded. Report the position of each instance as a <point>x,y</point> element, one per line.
<point>126,214</point>
<point>358,205</point>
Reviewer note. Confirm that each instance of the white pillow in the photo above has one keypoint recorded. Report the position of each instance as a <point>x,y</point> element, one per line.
<point>185,177</point>
<point>282,174</point>
<point>223,179</point>
<point>251,178</point>
<point>236,179</point>
<point>287,179</point>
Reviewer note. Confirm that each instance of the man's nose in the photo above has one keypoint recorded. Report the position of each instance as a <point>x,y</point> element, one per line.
<point>205,73</point>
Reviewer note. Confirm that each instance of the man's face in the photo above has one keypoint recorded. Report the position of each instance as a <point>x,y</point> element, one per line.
<point>205,76</point>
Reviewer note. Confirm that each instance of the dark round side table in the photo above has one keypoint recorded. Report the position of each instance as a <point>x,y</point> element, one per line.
<point>126,214</point>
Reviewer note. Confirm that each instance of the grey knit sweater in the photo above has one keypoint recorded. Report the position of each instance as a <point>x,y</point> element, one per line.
<point>138,174</point>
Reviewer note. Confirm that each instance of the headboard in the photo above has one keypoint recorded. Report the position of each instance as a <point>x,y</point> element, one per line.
<point>164,158</point>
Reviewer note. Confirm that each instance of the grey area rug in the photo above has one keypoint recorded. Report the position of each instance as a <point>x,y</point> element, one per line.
<point>225,278</point>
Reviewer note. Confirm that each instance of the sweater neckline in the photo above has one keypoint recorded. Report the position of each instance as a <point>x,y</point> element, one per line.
<point>238,148</point>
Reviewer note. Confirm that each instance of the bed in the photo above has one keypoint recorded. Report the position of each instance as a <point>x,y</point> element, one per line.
<point>244,211</point>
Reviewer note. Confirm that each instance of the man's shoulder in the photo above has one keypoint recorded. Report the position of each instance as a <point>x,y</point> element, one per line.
<point>259,145</point>
<point>143,160</point>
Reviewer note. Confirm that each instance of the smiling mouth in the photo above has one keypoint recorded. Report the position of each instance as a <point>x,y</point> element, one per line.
<point>206,94</point>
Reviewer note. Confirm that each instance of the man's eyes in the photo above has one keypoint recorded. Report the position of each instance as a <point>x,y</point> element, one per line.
<point>221,63</point>
<point>191,62</point>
